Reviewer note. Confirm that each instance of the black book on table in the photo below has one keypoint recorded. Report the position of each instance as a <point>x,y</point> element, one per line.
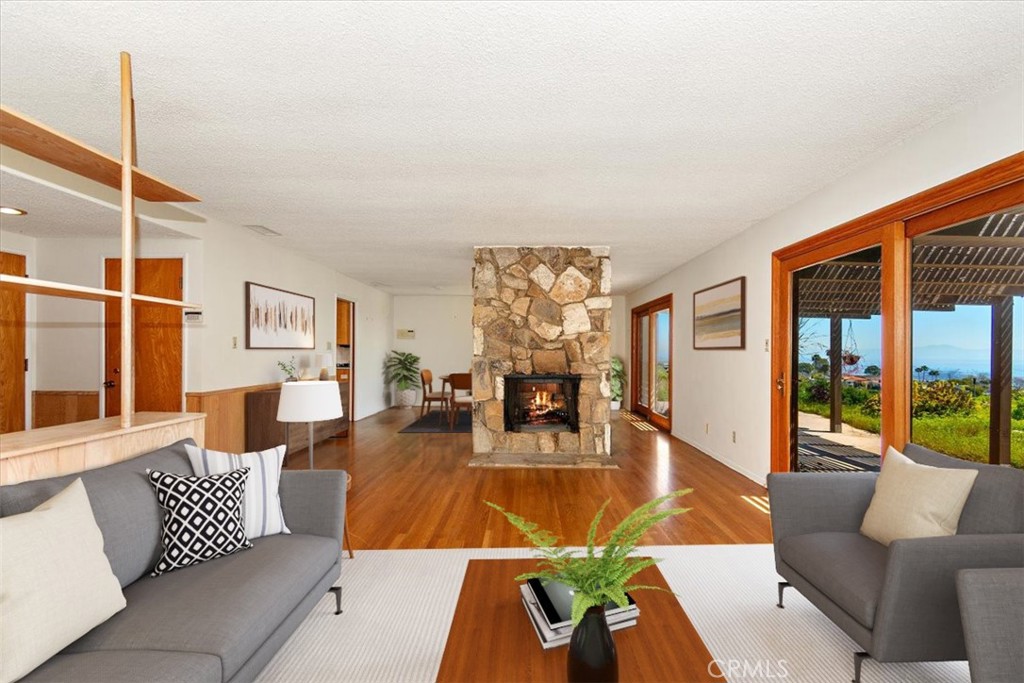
<point>555,602</point>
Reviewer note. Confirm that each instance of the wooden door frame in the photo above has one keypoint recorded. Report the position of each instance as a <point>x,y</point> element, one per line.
<point>351,354</point>
<point>25,406</point>
<point>998,186</point>
<point>661,303</point>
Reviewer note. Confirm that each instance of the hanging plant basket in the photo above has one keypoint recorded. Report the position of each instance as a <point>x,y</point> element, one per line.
<point>850,358</point>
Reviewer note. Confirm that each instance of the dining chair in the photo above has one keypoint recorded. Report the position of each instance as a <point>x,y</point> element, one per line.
<point>429,395</point>
<point>459,381</point>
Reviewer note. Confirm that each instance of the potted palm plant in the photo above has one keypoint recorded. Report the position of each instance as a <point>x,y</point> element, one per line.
<point>618,382</point>
<point>596,577</point>
<point>404,370</point>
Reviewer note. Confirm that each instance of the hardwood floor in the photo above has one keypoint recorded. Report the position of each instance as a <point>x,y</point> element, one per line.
<point>416,490</point>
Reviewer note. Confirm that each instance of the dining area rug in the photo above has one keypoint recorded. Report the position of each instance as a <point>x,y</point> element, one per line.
<point>436,422</point>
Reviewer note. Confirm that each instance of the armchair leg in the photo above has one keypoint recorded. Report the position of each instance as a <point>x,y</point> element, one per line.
<point>858,660</point>
<point>337,599</point>
<point>783,585</point>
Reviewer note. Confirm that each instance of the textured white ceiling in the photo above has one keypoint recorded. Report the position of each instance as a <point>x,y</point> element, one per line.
<point>386,139</point>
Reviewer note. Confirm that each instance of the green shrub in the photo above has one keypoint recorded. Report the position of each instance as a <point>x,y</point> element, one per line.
<point>940,398</point>
<point>816,390</point>
<point>873,405</point>
<point>1018,405</point>
<point>856,396</point>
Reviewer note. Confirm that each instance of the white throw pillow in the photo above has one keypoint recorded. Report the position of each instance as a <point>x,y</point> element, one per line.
<point>916,501</point>
<point>55,582</point>
<point>261,505</point>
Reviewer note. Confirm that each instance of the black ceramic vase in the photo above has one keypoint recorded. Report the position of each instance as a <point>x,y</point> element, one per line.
<point>592,657</point>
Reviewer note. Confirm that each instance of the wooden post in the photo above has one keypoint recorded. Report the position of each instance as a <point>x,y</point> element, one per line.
<point>127,241</point>
<point>835,373</point>
<point>1002,382</point>
<point>896,315</point>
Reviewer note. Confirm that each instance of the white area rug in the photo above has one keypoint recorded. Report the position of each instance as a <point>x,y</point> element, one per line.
<point>399,606</point>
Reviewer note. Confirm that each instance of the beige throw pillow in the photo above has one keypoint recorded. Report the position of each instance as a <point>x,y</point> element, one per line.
<point>55,582</point>
<point>915,501</point>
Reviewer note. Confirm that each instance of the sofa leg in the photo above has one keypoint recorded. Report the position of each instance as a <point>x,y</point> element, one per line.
<point>337,598</point>
<point>858,660</point>
<point>783,585</point>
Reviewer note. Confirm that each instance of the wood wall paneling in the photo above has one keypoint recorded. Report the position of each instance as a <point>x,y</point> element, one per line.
<point>51,408</point>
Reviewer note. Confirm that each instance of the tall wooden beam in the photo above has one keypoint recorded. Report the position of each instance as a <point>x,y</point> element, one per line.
<point>127,242</point>
<point>835,373</point>
<point>896,316</point>
<point>1002,382</point>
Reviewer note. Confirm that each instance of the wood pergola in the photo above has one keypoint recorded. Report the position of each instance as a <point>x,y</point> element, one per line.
<point>976,263</point>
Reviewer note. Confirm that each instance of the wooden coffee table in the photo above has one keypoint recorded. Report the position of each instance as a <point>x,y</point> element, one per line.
<point>491,638</point>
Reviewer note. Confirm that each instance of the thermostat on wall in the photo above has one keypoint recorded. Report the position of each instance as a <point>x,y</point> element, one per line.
<point>406,334</point>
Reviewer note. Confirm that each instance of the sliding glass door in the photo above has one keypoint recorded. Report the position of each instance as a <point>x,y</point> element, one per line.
<point>914,310</point>
<point>651,363</point>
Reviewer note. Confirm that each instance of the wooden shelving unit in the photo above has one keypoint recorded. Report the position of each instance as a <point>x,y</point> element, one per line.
<point>42,142</point>
<point>36,139</point>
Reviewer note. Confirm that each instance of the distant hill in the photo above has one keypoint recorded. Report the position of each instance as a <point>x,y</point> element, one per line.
<point>945,358</point>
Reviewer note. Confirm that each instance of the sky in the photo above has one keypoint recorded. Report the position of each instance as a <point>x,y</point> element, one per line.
<point>946,341</point>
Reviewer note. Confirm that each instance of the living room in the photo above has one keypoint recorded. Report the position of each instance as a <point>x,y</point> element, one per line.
<point>388,154</point>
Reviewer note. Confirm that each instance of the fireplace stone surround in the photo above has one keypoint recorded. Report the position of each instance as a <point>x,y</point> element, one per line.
<point>542,311</point>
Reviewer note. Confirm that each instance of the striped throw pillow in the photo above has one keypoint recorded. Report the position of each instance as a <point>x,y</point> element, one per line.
<point>261,505</point>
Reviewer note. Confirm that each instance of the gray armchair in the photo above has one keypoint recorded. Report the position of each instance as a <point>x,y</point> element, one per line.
<point>899,603</point>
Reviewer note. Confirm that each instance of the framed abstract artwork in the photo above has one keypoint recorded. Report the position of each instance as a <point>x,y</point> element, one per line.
<point>278,319</point>
<point>719,316</point>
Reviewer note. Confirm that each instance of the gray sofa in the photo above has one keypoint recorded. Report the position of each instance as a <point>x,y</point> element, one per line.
<point>218,621</point>
<point>992,608</point>
<point>898,603</point>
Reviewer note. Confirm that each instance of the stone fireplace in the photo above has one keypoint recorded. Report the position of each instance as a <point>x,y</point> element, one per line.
<point>542,403</point>
<point>541,357</point>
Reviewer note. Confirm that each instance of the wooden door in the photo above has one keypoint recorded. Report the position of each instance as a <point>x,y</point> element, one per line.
<point>157,334</point>
<point>12,344</point>
<point>651,362</point>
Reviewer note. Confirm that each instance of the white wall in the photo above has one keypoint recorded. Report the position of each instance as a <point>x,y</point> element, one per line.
<point>444,332</point>
<point>231,257</point>
<point>730,390</point>
<point>620,337</point>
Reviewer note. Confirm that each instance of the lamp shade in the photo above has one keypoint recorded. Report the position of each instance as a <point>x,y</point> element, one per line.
<point>309,402</point>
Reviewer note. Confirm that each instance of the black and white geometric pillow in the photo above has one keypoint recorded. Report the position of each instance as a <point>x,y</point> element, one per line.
<point>202,517</point>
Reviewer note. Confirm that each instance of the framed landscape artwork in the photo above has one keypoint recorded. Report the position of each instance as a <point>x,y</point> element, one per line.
<point>278,319</point>
<point>719,316</point>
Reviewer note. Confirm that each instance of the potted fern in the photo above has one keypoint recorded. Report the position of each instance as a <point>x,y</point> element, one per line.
<point>597,577</point>
<point>404,370</point>
<point>618,382</point>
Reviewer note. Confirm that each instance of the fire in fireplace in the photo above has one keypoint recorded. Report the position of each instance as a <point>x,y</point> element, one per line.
<point>542,403</point>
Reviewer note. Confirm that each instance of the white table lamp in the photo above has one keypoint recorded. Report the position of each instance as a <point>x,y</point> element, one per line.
<point>309,402</point>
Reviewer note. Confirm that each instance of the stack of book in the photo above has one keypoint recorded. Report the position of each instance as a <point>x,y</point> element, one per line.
<point>550,610</point>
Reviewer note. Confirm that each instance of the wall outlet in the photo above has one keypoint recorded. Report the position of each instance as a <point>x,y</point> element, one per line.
<point>734,437</point>
<point>234,342</point>
<point>767,346</point>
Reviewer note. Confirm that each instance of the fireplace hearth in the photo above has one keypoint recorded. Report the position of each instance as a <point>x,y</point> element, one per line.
<point>542,403</point>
